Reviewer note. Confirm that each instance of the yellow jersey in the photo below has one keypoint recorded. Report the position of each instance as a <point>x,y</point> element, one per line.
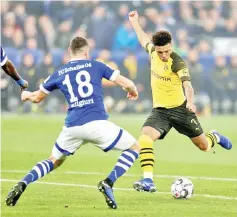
<point>167,78</point>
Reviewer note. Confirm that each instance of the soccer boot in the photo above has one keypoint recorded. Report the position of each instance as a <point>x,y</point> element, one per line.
<point>223,141</point>
<point>146,184</point>
<point>15,194</point>
<point>107,191</point>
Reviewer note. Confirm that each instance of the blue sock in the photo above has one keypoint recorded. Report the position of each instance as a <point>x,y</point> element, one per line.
<point>39,170</point>
<point>125,161</point>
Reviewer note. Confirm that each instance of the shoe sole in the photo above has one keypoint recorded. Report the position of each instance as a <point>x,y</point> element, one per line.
<point>139,187</point>
<point>109,202</point>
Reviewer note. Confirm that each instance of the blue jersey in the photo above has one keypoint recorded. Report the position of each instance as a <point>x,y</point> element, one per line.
<point>81,83</point>
<point>3,57</point>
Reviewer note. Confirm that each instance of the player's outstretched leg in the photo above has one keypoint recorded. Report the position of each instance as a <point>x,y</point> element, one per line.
<point>39,170</point>
<point>223,141</point>
<point>125,161</point>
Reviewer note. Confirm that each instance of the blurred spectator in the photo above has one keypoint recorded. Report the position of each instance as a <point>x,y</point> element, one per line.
<point>152,15</point>
<point>64,33</point>
<point>110,93</point>
<point>209,28</point>
<point>7,34</point>
<point>198,79</point>
<point>125,38</point>
<point>204,47</point>
<point>29,71</point>
<point>47,29</point>
<point>123,12</point>
<point>101,28</point>
<point>231,28</point>
<point>31,31</point>
<point>46,68</point>
<point>10,20</point>
<point>5,6</point>
<point>220,89</point>
<point>196,71</point>
<point>18,39</point>
<point>186,13</point>
<point>21,14</point>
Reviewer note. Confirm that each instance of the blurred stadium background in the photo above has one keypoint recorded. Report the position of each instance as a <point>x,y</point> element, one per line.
<point>36,34</point>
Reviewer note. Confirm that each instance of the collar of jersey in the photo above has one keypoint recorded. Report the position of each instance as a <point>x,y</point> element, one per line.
<point>74,61</point>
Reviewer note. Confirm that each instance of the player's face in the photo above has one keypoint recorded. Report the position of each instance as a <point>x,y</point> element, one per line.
<point>164,52</point>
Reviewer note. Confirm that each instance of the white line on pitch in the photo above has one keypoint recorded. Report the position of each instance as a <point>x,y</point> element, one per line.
<point>136,175</point>
<point>121,189</point>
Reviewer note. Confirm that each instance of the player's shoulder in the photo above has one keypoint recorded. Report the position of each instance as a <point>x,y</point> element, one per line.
<point>98,63</point>
<point>176,57</point>
<point>177,63</point>
<point>102,65</point>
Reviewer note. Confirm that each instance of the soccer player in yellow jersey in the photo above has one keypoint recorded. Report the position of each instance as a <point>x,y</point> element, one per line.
<point>172,103</point>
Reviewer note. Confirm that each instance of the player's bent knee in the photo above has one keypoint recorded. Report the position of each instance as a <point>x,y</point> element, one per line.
<point>201,142</point>
<point>203,146</point>
<point>151,132</point>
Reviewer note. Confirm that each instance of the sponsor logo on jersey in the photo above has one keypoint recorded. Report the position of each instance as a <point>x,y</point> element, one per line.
<point>82,103</point>
<point>161,77</point>
<point>77,67</point>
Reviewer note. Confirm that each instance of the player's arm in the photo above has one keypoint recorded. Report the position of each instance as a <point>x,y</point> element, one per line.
<point>127,85</point>
<point>10,70</point>
<point>141,35</point>
<point>45,88</point>
<point>35,97</point>
<point>189,93</point>
<point>180,67</point>
<point>188,89</point>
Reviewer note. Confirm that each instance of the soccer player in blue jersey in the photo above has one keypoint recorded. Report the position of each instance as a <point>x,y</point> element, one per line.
<point>80,82</point>
<point>10,69</point>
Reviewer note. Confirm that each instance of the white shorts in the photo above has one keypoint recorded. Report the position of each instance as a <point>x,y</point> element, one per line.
<point>102,133</point>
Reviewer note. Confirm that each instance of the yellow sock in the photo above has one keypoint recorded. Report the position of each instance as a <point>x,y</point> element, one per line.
<point>147,154</point>
<point>211,139</point>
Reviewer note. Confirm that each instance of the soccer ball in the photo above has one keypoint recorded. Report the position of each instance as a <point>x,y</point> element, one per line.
<point>182,188</point>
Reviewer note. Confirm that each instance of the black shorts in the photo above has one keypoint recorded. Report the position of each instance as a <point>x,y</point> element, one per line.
<point>184,121</point>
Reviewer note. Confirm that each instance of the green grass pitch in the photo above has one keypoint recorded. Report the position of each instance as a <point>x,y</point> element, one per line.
<point>71,190</point>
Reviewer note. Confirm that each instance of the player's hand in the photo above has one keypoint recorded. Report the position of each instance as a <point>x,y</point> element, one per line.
<point>133,15</point>
<point>191,107</point>
<point>24,86</point>
<point>25,95</point>
<point>132,95</point>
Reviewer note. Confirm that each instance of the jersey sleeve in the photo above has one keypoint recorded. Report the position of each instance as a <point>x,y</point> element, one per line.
<point>180,67</point>
<point>3,57</point>
<point>49,84</point>
<point>108,72</point>
<point>150,48</point>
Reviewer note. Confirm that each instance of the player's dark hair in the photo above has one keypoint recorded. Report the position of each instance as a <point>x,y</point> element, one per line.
<point>161,38</point>
<point>77,43</point>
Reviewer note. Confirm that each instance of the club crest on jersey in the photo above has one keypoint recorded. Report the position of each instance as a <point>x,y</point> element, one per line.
<point>166,67</point>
